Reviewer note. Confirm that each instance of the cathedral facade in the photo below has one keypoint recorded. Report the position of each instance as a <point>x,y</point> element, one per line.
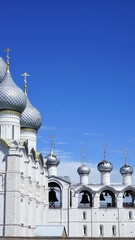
<point>33,198</point>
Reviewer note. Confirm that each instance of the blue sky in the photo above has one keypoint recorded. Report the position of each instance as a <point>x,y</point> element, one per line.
<point>81,59</point>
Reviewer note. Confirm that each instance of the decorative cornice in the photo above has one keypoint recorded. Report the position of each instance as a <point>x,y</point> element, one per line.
<point>29,130</point>
<point>10,112</point>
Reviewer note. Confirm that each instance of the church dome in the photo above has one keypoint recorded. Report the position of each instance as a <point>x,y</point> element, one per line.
<point>52,159</point>
<point>31,117</point>
<point>2,69</point>
<point>126,169</point>
<point>105,166</point>
<point>11,96</point>
<point>83,169</point>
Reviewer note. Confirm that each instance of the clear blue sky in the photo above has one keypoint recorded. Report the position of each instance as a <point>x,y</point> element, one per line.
<point>81,59</point>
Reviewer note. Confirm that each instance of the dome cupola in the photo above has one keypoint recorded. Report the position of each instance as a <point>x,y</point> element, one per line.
<point>105,167</point>
<point>126,169</point>
<point>83,169</point>
<point>84,172</point>
<point>52,160</point>
<point>31,117</point>
<point>126,172</point>
<point>12,103</point>
<point>11,96</point>
<point>2,69</point>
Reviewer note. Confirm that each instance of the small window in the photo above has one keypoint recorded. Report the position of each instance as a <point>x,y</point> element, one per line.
<point>84,215</point>
<point>101,230</point>
<point>130,215</point>
<point>114,230</point>
<point>85,230</point>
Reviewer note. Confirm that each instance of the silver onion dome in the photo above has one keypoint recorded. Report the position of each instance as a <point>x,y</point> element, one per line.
<point>105,166</point>
<point>83,169</point>
<point>31,117</point>
<point>126,169</point>
<point>2,69</point>
<point>52,159</point>
<point>11,96</point>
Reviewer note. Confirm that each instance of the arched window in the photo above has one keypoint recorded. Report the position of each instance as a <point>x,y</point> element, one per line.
<point>101,230</point>
<point>114,230</point>
<point>85,230</point>
<point>55,198</point>
<point>107,199</point>
<point>130,215</point>
<point>84,215</point>
<point>84,199</point>
<point>128,199</point>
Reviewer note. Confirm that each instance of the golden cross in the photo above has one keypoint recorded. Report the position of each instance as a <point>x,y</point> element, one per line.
<point>8,50</point>
<point>25,75</point>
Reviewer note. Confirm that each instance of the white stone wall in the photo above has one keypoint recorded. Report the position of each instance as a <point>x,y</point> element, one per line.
<point>9,125</point>
<point>29,135</point>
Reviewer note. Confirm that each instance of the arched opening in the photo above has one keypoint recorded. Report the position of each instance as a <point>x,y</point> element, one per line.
<point>84,215</point>
<point>101,230</point>
<point>128,198</point>
<point>84,199</point>
<point>114,230</point>
<point>55,200</point>
<point>107,199</point>
<point>130,215</point>
<point>85,230</point>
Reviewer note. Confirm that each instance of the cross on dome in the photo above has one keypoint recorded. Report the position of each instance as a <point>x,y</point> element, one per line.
<point>25,75</point>
<point>83,153</point>
<point>104,151</point>
<point>7,50</point>
<point>52,142</point>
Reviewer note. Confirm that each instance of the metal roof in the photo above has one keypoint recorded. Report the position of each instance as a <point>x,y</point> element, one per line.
<point>51,231</point>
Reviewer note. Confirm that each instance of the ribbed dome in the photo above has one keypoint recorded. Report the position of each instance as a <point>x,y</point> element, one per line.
<point>31,117</point>
<point>2,69</point>
<point>52,159</point>
<point>11,96</point>
<point>105,166</point>
<point>126,169</point>
<point>83,169</point>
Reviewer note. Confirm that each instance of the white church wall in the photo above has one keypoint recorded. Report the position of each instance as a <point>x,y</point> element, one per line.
<point>10,125</point>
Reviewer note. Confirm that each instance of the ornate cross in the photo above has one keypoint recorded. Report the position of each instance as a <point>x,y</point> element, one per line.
<point>8,50</point>
<point>25,75</point>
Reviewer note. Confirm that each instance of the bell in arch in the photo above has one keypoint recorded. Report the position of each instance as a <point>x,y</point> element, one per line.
<point>85,199</point>
<point>102,197</point>
<point>52,196</point>
<point>106,194</point>
<point>127,194</point>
